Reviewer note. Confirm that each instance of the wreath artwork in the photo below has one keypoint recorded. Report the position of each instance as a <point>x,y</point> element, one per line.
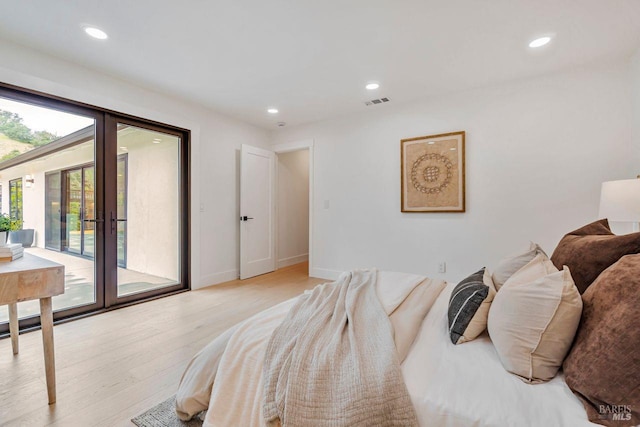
<point>434,181</point>
<point>433,173</point>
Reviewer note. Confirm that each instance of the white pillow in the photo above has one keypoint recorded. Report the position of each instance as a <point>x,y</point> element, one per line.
<point>509,265</point>
<point>534,318</point>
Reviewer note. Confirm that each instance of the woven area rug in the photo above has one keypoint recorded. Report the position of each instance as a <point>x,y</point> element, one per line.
<point>164,415</point>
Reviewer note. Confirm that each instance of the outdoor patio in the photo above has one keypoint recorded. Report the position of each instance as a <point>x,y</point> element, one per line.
<point>79,283</point>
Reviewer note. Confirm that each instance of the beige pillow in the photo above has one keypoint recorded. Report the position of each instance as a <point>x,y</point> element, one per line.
<point>407,318</point>
<point>508,266</point>
<point>533,319</point>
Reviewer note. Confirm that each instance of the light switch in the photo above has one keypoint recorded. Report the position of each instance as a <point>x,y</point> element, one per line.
<point>326,204</point>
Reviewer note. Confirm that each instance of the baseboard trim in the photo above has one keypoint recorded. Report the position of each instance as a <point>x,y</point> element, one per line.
<point>214,279</point>
<point>324,273</point>
<point>286,262</point>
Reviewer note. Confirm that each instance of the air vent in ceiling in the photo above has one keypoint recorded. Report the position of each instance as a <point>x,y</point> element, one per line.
<point>377,101</point>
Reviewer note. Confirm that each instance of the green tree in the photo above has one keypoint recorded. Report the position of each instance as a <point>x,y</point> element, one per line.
<point>42,137</point>
<point>10,155</point>
<point>11,125</point>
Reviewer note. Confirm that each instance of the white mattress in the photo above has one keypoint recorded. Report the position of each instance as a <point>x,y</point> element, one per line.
<point>466,385</point>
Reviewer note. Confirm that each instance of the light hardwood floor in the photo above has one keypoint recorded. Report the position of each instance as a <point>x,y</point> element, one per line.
<point>113,366</point>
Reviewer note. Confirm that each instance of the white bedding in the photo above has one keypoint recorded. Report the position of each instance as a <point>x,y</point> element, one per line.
<point>226,376</point>
<point>466,385</point>
<point>450,386</point>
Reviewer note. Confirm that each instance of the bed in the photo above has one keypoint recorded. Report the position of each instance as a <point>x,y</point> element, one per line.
<point>449,385</point>
<point>541,341</point>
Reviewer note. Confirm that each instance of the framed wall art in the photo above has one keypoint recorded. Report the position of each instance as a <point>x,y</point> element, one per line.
<point>432,173</point>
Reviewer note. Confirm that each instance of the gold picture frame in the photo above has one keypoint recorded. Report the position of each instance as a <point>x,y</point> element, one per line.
<point>432,172</point>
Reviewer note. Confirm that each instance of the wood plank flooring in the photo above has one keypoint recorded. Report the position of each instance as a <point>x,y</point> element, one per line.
<point>113,366</point>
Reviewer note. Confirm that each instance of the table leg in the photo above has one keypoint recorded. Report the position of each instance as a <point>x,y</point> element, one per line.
<point>46,318</point>
<point>13,326</point>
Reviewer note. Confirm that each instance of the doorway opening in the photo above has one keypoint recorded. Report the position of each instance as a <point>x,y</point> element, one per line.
<point>292,207</point>
<point>276,230</point>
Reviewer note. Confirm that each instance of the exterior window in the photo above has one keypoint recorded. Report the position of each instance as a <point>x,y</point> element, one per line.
<point>15,199</point>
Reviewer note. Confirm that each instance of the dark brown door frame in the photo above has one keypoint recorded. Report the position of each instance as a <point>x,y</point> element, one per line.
<point>64,180</point>
<point>106,162</point>
<point>111,208</point>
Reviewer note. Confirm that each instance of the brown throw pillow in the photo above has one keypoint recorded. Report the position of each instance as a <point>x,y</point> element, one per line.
<point>603,366</point>
<point>589,250</point>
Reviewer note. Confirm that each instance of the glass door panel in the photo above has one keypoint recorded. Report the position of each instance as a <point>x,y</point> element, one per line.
<point>88,212</point>
<point>121,188</point>
<point>73,217</point>
<point>148,225</point>
<point>46,157</point>
<point>52,211</point>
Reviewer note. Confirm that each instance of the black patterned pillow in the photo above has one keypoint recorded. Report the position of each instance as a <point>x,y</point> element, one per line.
<point>469,306</point>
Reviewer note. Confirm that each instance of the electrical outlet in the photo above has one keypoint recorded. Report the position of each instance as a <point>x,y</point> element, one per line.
<point>442,267</point>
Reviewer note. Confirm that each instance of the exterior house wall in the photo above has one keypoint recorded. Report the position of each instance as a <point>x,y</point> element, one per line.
<point>34,197</point>
<point>152,208</point>
<point>152,200</point>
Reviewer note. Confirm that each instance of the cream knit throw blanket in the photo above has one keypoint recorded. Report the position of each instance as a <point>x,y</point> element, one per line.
<point>333,362</point>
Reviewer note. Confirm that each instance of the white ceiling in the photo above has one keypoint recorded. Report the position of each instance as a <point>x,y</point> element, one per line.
<point>311,59</point>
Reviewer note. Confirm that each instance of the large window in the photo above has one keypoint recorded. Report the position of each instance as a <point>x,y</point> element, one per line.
<point>15,199</point>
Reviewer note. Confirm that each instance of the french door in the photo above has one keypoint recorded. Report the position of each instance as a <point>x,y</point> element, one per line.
<point>146,220</point>
<point>115,204</point>
<point>78,193</point>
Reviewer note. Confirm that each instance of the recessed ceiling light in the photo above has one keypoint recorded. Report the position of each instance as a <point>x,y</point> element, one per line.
<point>431,142</point>
<point>96,33</point>
<point>157,140</point>
<point>272,110</point>
<point>539,42</point>
<point>452,149</point>
<point>123,148</point>
<point>372,86</point>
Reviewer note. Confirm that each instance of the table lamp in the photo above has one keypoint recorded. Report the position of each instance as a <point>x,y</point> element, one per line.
<point>620,201</point>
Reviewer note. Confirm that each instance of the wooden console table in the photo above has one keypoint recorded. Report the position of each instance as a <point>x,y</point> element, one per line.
<point>29,278</point>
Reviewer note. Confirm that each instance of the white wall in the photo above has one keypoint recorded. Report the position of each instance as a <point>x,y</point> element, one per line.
<point>293,207</point>
<point>537,152</point>
<point>215,140</point>
<point>153,240</point>
<point>33,198</point>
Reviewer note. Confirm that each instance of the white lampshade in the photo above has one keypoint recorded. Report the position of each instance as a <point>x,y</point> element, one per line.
<point>620,200</point>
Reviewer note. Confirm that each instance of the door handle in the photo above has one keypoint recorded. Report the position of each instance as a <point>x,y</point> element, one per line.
<point>245,218</point>
<point>93,220</point>
<point>115,221</point>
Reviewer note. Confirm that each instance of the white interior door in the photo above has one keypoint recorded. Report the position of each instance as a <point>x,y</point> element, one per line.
<point>257,211</point>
